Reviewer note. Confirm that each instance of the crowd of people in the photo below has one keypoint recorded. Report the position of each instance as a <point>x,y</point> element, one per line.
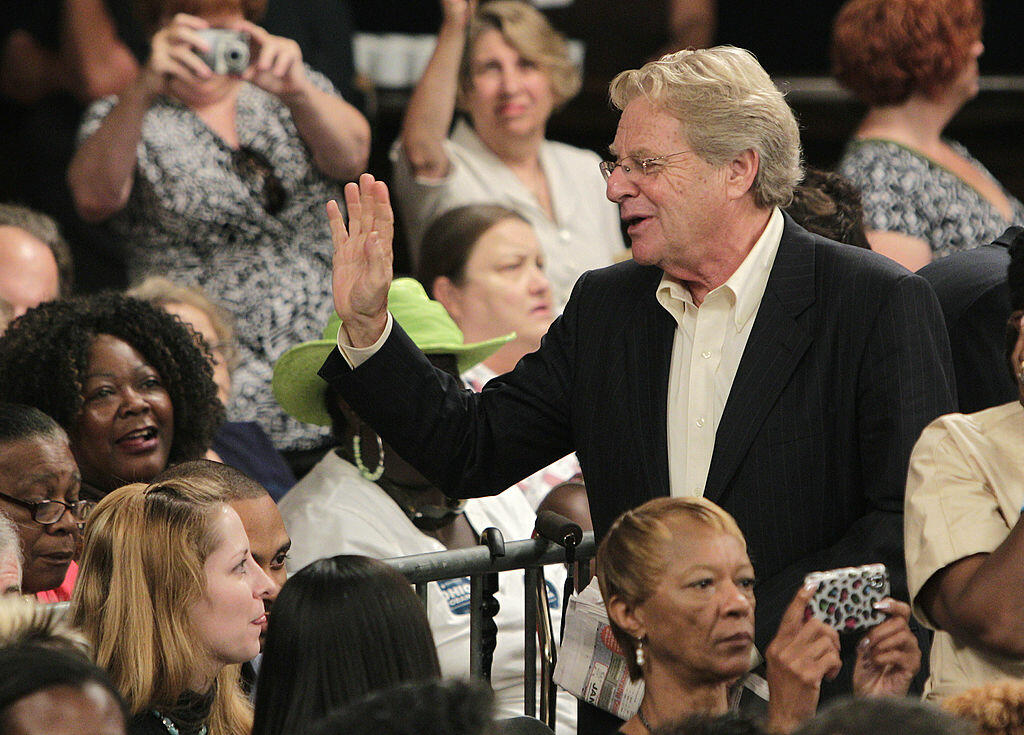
<point>719,361</point>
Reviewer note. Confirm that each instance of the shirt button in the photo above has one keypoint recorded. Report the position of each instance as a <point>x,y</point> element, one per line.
<point>565,235</point>
<point>706,354</point>
<point>699,422</point>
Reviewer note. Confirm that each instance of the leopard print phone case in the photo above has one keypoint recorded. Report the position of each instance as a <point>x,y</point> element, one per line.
<point>845,597</point>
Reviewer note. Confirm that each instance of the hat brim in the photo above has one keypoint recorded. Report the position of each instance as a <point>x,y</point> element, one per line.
<point>298,387</point>
<point>300,390</point>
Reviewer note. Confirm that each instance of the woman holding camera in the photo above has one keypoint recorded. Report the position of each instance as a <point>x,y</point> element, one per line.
<point>679,589</point>
<point>218,179</point>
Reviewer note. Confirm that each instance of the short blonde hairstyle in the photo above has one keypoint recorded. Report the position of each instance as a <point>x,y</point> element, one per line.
<point>631,559</point>
<point>163,292</point>
<point>726,104</point>
<point>142,571</point>
<point>525,29</point>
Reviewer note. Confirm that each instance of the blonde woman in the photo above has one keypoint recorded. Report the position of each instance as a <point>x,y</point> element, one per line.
<point>507,69</point>
<point>171,599</point>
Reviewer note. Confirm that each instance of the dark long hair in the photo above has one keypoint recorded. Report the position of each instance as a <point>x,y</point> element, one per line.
<point>341,628</point>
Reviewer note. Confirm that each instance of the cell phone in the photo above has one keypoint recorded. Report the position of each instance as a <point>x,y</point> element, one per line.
<point>845,598</point>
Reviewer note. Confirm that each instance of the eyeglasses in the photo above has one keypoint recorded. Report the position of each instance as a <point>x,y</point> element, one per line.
<point>254,168</point>
<point>633,168</point>
<point>48,512</point>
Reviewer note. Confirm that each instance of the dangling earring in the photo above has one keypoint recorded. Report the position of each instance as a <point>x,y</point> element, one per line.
<point>357,455</point>
<point>640,659</point>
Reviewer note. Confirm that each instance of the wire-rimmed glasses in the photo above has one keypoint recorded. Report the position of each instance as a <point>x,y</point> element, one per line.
<point>48,512</point>
<point>634,168</point>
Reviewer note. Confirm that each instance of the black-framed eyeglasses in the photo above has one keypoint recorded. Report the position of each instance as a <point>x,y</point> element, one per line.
<point>48,512</point>
<point>635,168</point>
<point>258,173</point>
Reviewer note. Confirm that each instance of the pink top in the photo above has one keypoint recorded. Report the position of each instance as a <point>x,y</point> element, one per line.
<point>63,592</point>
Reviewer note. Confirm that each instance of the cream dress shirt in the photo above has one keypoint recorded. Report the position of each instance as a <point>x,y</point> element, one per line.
<point>706,351</point>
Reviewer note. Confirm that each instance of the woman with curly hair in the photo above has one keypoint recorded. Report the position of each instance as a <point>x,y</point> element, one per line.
<point>995,708</point>
<point>914,63</point>
<point>125,379</point>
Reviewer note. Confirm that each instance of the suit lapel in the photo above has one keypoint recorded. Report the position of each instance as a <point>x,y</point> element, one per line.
<point>648,358</point>
<point>776,344</point>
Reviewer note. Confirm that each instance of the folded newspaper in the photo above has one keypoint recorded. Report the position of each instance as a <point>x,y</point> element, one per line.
<point>591,665</point>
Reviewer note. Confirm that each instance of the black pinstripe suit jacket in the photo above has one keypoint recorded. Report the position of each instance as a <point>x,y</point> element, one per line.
<point>847,361</point>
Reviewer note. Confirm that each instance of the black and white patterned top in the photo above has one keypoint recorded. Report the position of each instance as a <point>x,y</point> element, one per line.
<point>905,191</point>
<point>197,216</point>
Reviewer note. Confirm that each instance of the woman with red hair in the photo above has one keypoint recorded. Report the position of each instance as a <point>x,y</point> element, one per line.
<point>915,64</point>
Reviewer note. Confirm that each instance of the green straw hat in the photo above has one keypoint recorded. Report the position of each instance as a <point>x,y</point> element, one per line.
<point>299,389</point>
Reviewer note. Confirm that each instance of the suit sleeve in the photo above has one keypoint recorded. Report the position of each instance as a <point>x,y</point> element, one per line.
<point>468,444</point>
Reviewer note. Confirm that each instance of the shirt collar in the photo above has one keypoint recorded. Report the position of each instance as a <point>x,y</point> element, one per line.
<point>746,284</point>
<point>464,134</point>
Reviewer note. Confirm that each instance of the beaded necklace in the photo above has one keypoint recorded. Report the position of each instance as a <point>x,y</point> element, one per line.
<point>171,727</point>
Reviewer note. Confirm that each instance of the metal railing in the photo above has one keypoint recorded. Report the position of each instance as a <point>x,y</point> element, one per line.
<point>495,556</point>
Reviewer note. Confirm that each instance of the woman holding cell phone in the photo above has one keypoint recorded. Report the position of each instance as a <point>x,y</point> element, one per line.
<point>679,589</point>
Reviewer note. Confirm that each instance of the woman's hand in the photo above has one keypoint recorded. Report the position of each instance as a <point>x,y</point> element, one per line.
<point>277,68</point>
<point>888,656</point>
<point>174,55</point>
<point>456,13</point>
<point>802,654</point>
<point>362,259</point>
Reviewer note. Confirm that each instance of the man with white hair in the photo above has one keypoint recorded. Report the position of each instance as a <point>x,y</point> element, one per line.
<point>737,356</point>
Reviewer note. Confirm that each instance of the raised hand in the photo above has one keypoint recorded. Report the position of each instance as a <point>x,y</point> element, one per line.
<point>362,259</point>
<point>802,653</point>
<point>173,55</point>
<point>456,13</point>
<point>888,656</point>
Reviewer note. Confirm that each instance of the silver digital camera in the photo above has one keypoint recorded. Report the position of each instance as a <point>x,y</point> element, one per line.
<point>229,50</point>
